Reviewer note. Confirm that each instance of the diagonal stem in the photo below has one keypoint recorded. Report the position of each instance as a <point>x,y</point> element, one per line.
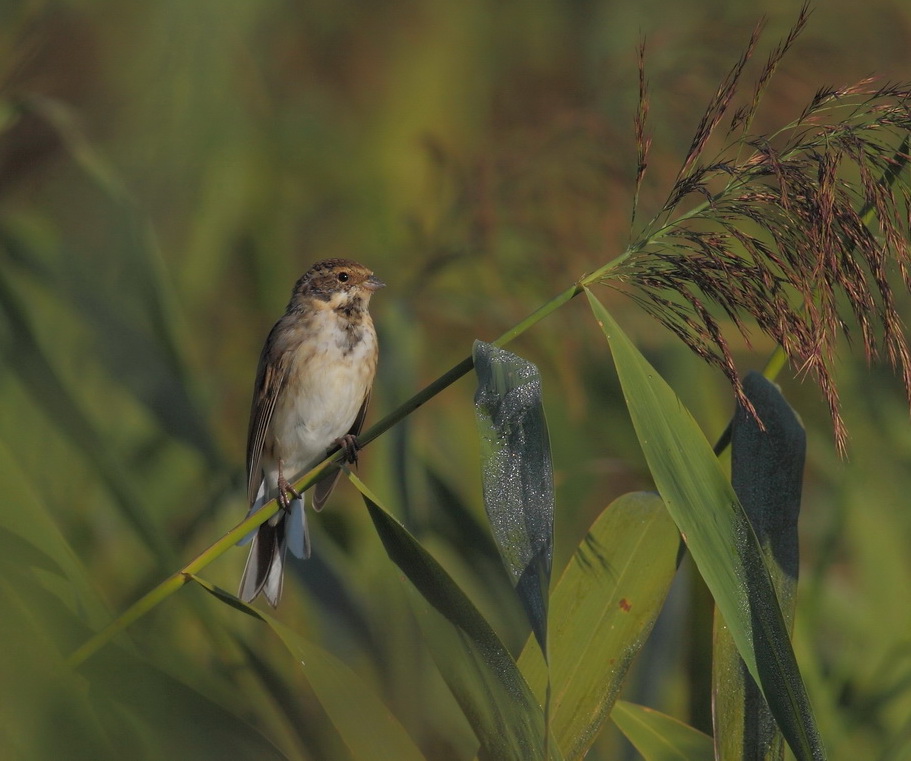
<point>176,580</point>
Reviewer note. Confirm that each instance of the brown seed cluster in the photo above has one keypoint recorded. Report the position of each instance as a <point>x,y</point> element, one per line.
<point>805,233</point>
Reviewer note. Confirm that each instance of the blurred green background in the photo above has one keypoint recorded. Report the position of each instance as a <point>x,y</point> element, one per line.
<point>168,169</point>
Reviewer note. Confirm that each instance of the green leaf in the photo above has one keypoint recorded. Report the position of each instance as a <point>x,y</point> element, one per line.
<point>704,506</point>
<point>517,474</point>
<point>659,737</point>
<point>477,667</point>
<point>31,538</point>
<point>767,475</point>
<point>45,712</point>
<point>151,714</point>
<point>139,331</point>
<point>117,705</point>
<point>363,721</point>
<point>603,608</point>
<point>25,356</point>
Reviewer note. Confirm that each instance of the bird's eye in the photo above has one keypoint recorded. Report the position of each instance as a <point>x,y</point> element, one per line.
<point>343,277</point>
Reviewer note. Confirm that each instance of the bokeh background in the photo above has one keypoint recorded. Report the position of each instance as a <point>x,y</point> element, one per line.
<point>167,171</point>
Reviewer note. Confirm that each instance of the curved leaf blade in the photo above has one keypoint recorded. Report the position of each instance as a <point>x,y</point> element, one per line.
<point>30,535</point>
<point>659,737</point>
<point>603,608</point>
<point>724,546</point>
<point>25,355</point>
<point>363,721</point>
<point>477,667</point>
<point>517,474</point>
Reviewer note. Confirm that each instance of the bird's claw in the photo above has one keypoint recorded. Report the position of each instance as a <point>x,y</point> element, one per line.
<point>284,490</point>
<point>350,446</point>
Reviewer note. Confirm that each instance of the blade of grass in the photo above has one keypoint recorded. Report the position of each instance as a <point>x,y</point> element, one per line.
<point>659,737</point>
<point>363,721</point>
<point>28,359</point>
<point>480,672</point>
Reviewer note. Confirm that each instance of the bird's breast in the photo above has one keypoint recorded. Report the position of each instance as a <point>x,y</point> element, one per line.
<point>331,370</point>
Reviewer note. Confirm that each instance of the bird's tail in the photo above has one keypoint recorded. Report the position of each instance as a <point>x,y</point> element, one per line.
<point>265,566</point>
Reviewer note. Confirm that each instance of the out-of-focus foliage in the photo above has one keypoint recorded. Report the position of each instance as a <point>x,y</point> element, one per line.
<point>168,169</point>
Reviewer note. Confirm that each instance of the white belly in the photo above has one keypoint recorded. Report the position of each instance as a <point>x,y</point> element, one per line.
<point>328,385</point>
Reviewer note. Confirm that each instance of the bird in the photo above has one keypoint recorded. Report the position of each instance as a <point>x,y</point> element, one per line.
<point>310,396</point>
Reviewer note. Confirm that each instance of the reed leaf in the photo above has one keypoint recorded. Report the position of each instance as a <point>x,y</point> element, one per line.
<point>604,607</point>
<point>659,737</point>
<point>517,475</point>
<point>362,720</point>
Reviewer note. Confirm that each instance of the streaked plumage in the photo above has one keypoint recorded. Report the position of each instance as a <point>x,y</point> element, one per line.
<point>311,392</point>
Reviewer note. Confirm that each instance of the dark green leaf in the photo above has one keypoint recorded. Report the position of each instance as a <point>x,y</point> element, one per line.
<point>517,474</point>
<point>117,705</point>
<point>767,475</point>
<point>166,718</point>
<point>479,670</point>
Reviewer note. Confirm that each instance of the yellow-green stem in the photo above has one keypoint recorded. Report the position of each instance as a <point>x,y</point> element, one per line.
<point>174,582</point>
<point>776,363</point>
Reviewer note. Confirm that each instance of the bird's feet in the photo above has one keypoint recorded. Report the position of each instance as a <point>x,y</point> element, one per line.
<point>349,445</point>
<point>285,491</point>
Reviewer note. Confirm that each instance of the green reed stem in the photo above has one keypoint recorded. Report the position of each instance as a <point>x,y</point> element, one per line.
<point>174,582</point>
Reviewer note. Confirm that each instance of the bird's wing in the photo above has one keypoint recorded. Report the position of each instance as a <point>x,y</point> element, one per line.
<point>323,488</point>
<point>270,377</point>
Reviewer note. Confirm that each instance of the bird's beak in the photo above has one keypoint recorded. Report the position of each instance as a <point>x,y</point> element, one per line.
<point>373,283</point>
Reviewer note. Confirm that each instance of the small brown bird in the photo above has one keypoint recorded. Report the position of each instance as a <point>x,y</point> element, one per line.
<point>312,388</point>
